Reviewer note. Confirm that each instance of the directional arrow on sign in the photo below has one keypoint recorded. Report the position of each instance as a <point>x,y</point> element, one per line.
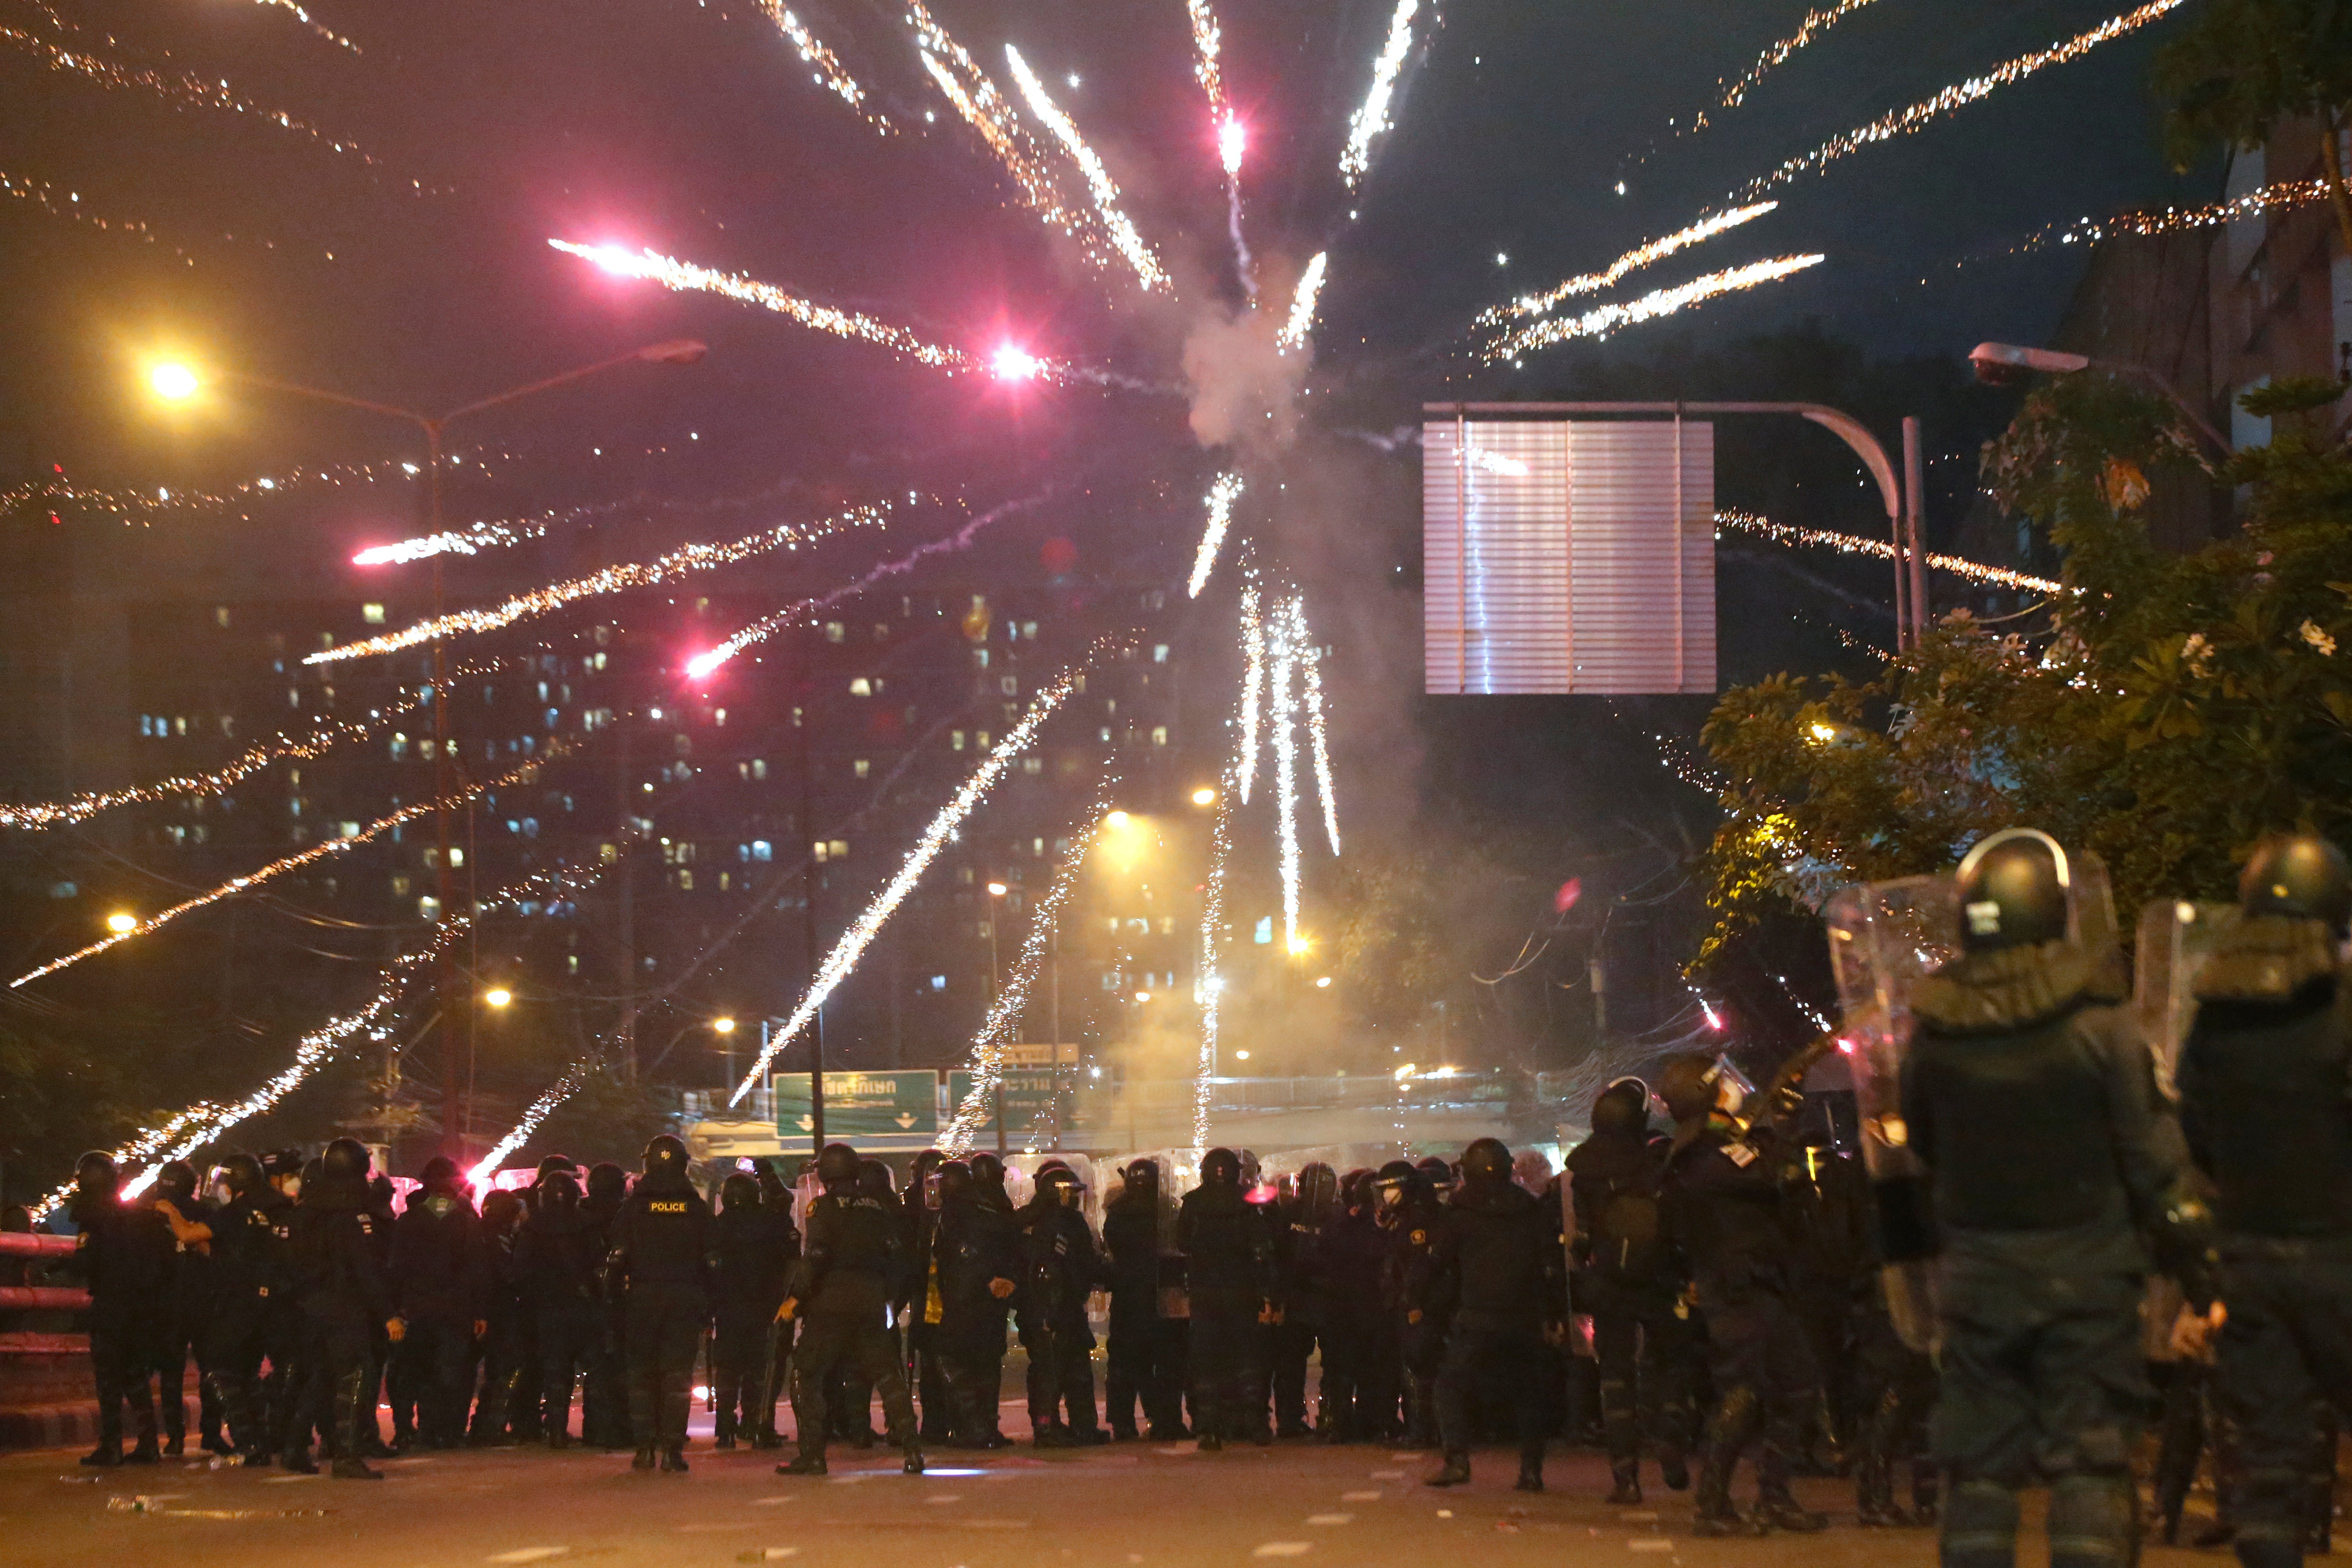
<point>905,1119</point>
<point>808,1123</point>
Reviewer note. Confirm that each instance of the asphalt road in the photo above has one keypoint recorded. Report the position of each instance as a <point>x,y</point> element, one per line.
<point>1158,1505</point>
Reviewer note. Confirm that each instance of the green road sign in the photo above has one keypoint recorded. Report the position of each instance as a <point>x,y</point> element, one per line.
<point>861,1105</point>
<point>1028,1096</point>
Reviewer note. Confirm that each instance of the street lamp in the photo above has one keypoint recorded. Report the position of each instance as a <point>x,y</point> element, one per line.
<point>121,923</point>
<point>177,381</point>
<point>1204,795</point>
<point>1998,364</point>
<point>498,996</point>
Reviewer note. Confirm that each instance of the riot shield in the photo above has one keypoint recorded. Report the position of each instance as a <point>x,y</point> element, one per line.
<point>2176,938</point>
<point>1885,937</point>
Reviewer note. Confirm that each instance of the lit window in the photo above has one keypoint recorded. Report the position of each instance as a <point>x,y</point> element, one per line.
<point>861,686</point>
<point>982,929</point>
<point>762,850</point>
<point>371,614</point>
<point>1264,935</point>
<point>1033,765</point>
<point>1159,734</point>
<point>1159,653</point>
<point>348,829</point>
<point>681,745</point>
<point>833,631</point>
<point>982,739</point>
<point>723,883</point>
<point>608,854</point>
<point>1037,848</point>
<point>955,737</point>
<point>400,886</point>
<point>938,982</point>
<point>429,908</point>
<point>980,658</point>
<point>861,767</point>
<point>719,716</point>
<point>1029,629</point>
<point>881,630</point>
<point>685,880</point>
<point>837,850</point>
<point>759,769</point>
<point>457,855</point>
<point>220,615</point>
<point>399,748</point>
<point>1010,685</point>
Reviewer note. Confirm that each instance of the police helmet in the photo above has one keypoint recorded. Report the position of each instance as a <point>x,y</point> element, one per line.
<point>1623,1107</point>
<point>664,1156</point>
<point>1487,1162</point>
<point>176,1179</point>
<point>440,1172</point>
<point>1058,1184</point>
<point>243,1173</point>
<point>345,1159</point>
<point>1687,1086</point>
<point>560,1190</point>
<point>2300,875</point>
<point>836,1164</point>
<point>95,1174</point>
<point>1395,1182</point>
<point>2015,891</point>
<point>1221,1168</point>
<point>740,1190</point>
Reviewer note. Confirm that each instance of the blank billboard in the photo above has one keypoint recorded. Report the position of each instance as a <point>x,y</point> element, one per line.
<point>1568,557</point>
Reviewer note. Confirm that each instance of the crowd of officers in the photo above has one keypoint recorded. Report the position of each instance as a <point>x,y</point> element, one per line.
<point>1699,1294</point>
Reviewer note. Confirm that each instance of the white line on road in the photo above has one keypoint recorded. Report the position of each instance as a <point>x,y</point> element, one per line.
<point>1282,1548</point>
<point>1330,1519</point>
<point>1360,1497</point>
<point>528,1555</point>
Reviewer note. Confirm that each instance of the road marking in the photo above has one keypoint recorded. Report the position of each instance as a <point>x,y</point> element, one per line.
<point>1360,1497</point>
<point>1177,1449</point>
<point>771,1501</point>
<point>951,1497</point>
<point>1282,1548</point>
<point>1388,1475</point>
<point>704,1526</point>
<point>1446,1513</point>
<point>1651,1543</point>
<point>285,1480</point>
<point>529,1555</point>
<point>1330,1519</point>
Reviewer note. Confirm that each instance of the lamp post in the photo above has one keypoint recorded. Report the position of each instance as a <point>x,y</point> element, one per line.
<point>1997,364</point>
<point>176,382</point>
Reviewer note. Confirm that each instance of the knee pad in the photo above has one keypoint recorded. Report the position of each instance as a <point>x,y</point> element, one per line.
<point>2093,1521</point>
<point>1980,1523</point>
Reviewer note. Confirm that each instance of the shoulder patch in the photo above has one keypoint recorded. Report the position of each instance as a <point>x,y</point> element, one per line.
<point>1419,1239</point>
<point>1740,1155</point>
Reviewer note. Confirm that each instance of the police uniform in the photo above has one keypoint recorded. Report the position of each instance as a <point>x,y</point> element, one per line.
<point>853,1271</point>
<point>659,1240</point>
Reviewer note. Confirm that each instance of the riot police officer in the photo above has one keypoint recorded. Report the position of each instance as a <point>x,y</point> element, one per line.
<point>1499,1259</point>
<point>243,1241</point>
<point>1229,1265</point>
<point>1303,1270</point>
<point>436,1261</point>
<point>342,1296</point>
<point>855,1269</point>
<point>559,1252</point>
<point>1623,1280</point>
<point>1140,1367</point>
<point>976,1249</point>
<point>752,1248</point>
<point>1408,1208</point>
<point>659,1240</point>
<point>2262,1081</point>
<point>1722,1191</point>
<point>2031,1101</point>
<point>1063,1267</point>
<point>124,1255</point>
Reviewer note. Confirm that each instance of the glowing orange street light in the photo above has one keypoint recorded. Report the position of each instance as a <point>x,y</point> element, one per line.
<point>173,382</point>
<point>498,996</point>
<point>121,924</point>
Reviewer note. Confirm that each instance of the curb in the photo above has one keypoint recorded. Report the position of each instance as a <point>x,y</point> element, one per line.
<point>68,1425</point>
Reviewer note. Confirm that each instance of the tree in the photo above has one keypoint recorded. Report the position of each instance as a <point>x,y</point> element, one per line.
<point>2246,65</point>
<point>2169,712</point>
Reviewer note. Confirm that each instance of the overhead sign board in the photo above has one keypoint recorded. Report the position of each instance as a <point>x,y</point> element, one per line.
<point>861,1107</point>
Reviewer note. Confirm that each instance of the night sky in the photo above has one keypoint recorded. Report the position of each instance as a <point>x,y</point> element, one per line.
<point>424,279</point>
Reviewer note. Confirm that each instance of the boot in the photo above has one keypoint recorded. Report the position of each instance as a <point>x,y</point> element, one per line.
<point>1727,1434</point>
<point>351,1391</point>
<point>1780,1509</point>
<point>1980,1527</point>
<point>1627,1490</point>
<point>1454,1473</point>
<point>1530,1472</point>
<point>1873,1492</point>
<point>2094,1521</point>
<point>809,1462</point>
<point>913,1463</point>
<point>645,1457</point>
<point>673,1459</point>
<point>1052,1435</point>
<point>723,1425</point>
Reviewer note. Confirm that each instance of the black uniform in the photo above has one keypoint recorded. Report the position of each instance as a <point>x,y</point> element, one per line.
<point>2033,1104</point>
<point>1228,1246</point>
<point>188,1311</point>
<point>1305,1290</point>
<point>659,1240</point>
<point>854,1270</point>
<point>1722,1191</point>
<point>341,1296</point>
<point>1499,1263</point>
<point>1357,1399</point>
<point>604,1398</point>
<point>1062,1266</point>
<point>2266,1101</point>
<point>1144,1363</point>
<point>1625,1281</point>
<point>124,1255</point>
<point>559,1250</point>
<point>505,1407</point>
<point>752,1249</point>
<point>975,1246</point>
<point>249,1302</point>
<point>1415,1309</point>
<point>436,1266</point>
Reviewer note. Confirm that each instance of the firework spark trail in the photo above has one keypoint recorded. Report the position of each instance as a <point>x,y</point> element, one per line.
<point>1284,718</point>
<point>563,1089</point>
<point>145,506</point>
<point>313,23</point>
<point>43,195</point>
<point>1322,740</point>
<point>1212,982</point>
<point>1207,39</point>
<point>279,748</point>
<point>1371,120</point>
<point>611,580</point>
<point>2281,197</point>
<point>1815,24</point>
<point>986,111</point>
<point>276,868</point>
<point>1232,136</point>
<point>471,539</point>
<point>1221,496</point>
<point>1856,544</point>
<point>1252,683</point>
<point>1606,318</point>
<point>830,72</point>
<point>1905,121</point>
<point>1633,260</point>
<point>205,1121</point>
<point>854,940</point>
<point>1301,321</point>
<point>702,664</point>
<point>1105,189</point>
<point>670,273</point>
<point>179,87</point>
<point>1001,1026</point>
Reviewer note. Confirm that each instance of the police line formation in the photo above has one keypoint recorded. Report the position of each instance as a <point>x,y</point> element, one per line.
<point>1970,1302</point>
